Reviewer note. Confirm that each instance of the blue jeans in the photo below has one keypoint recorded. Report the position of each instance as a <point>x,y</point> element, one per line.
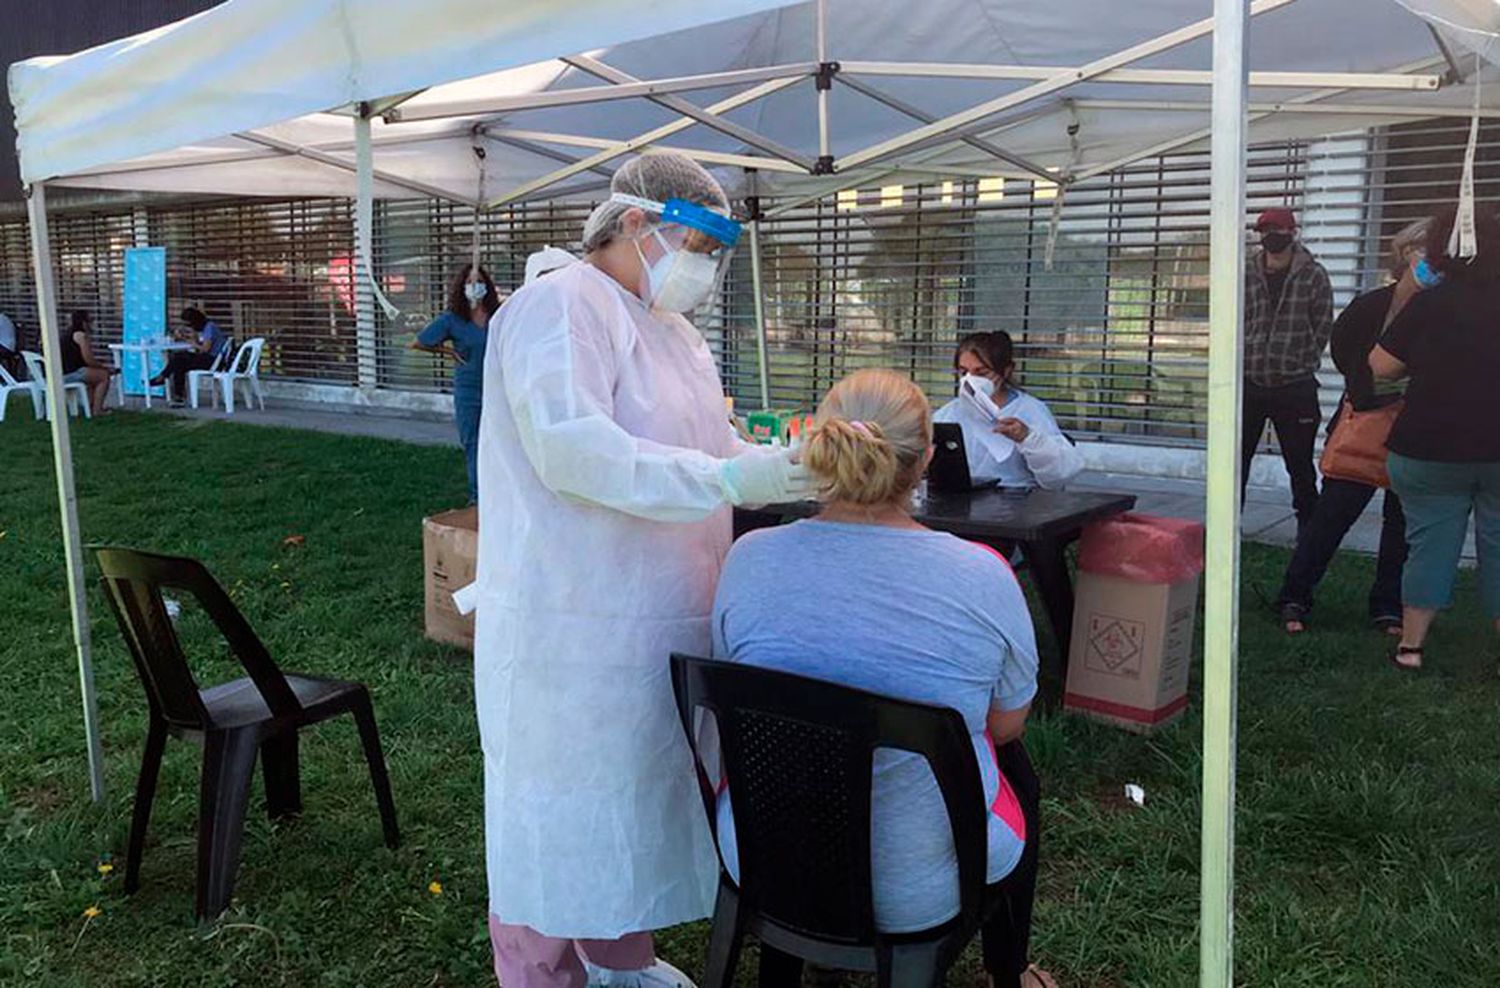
<point>466,416</point>
<point>1438,498</point>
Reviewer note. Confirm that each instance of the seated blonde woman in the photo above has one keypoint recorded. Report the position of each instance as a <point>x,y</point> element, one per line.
<point>910,613</point>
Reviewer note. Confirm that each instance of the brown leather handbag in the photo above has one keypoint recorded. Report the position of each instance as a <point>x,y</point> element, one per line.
<point>1356,450</point>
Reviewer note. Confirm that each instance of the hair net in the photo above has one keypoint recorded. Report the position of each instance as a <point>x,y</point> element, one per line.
<point>660,177</point>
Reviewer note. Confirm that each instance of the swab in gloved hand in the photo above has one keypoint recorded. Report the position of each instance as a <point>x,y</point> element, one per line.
<point>766,476</point>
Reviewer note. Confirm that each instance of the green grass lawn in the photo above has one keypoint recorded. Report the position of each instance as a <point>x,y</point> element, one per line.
<point>1369,819</point>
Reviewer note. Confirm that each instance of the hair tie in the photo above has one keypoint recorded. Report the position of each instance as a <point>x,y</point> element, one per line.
<point>862,428</point>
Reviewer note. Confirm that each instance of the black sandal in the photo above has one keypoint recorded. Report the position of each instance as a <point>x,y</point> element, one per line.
<point>1387,624</point>
<point>1291,614</point>
<point>1407,650</point>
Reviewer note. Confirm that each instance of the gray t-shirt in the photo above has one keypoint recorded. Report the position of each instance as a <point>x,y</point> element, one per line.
<point>913,614</point>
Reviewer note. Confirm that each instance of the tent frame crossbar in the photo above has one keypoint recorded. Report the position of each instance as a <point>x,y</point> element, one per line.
<point>677,104</point>
<point>1203,133</point>
<point>1046,87</point>
<point>648,88</point>
<point>1157,77</point>
<point>653,136</point>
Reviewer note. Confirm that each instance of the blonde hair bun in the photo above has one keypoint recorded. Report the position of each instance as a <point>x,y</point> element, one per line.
<point>869,441</point>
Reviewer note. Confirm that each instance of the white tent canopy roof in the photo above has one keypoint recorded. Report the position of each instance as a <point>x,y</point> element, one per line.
<point>186,108</point>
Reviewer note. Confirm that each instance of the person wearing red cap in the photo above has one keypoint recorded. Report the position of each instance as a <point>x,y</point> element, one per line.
<point>1288,319</point>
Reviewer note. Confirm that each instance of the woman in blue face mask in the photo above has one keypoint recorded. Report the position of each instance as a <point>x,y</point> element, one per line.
<point>1010,436</point>
<point>1342,501</point>
<point>460,333</point>
<point>1444,457</point>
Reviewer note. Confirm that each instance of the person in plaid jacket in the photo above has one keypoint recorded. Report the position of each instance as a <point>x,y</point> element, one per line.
<point>1288,319</point>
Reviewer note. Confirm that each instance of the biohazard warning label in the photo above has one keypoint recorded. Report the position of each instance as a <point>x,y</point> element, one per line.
<point>1115,645</point>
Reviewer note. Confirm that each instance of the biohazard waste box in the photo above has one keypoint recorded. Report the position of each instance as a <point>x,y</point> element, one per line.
<point>450,545</point>
<point>1135,610</point>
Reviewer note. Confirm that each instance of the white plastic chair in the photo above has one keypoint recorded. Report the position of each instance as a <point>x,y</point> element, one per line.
<point>197,377</point>
<point>75,393</point>
<point>9,384</point>
<point>244,368</point>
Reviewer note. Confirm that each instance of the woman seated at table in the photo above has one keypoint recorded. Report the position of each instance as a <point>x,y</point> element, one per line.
<point>1021,446</point>
<point>911,613</point>
<point>79,363</point>
<point>208,342</point>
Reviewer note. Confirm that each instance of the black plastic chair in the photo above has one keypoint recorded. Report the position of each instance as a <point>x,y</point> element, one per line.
<point>797,754</point>
<point>261,712</point>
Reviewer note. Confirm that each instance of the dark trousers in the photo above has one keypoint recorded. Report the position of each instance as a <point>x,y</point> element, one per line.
<point>1339,506</point>
<point>179,362</point>
<point>1006,935</point>
<point>1294,412</point>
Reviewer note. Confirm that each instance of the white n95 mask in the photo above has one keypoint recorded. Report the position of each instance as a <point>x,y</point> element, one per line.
<point>981,385</point>
<point>681,280</point>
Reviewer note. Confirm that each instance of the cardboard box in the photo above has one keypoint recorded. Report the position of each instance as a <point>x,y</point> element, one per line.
<point>450,546</point>
<point>1132,649</point>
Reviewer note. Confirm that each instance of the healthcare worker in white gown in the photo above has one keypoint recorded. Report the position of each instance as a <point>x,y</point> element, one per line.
<point>609,467</point>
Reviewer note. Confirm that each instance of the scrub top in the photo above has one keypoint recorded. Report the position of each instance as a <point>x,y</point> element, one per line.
<point>468,341</point>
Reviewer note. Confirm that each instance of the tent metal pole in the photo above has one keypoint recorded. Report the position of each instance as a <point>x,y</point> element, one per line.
<point>1400,82</point>
<point>527,140</point>
<point>67,495</point>
<point>1290,106</point>
<point>364,239</point>
<point>1198,134</point>
<point>687,108</point>
<point>824,154</point>
<point>487,106</point>
<point>1231,32</point>
<point>641,140</point>
<point>757,284</point>
<point>312,154</point>
<point>903,107</point>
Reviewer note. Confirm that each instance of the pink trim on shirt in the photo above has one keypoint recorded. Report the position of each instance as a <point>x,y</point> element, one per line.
<point>1006,806</point>
<point>997,554</point>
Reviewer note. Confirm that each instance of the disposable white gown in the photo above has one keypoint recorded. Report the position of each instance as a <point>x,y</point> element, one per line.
<point>602,531</point>
<point>1045,459</point>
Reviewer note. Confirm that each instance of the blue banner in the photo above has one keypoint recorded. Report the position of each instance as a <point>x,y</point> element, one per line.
<point>145,307</point>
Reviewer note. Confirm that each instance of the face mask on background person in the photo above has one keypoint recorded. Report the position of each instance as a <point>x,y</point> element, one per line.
<point>1425,275</point>
<point>1276,241</point>
<point>982,385</point>
<point>680,280</point>
<point>475,291</point>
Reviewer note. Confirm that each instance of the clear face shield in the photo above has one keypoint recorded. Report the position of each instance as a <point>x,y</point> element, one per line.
<point>685,256</point>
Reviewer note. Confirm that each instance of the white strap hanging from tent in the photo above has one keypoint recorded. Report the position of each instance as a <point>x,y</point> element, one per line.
<point>386,305</point>
<point>1063,181</point>
<point>1463,242</point>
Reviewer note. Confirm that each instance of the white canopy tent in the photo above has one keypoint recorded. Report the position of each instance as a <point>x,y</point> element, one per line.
<point>389,99</point>
<point>873,90</point>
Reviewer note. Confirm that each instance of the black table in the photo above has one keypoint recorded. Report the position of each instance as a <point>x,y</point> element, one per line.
<point>1042,523</point>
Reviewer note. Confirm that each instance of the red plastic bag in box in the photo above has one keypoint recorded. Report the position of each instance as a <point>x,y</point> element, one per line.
<point>1143,548</point>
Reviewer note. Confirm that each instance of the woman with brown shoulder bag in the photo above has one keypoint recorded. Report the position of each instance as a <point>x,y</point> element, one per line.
<point>1354,456</point>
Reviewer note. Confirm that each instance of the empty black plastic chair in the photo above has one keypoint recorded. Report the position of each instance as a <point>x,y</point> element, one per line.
<point>797,754</point>
<point>260,713</point>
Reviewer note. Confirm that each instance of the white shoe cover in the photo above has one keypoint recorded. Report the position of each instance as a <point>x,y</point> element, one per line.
<point>658,975</point>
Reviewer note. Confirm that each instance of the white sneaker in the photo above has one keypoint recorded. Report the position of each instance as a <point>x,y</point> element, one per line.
<point>658,975</point>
